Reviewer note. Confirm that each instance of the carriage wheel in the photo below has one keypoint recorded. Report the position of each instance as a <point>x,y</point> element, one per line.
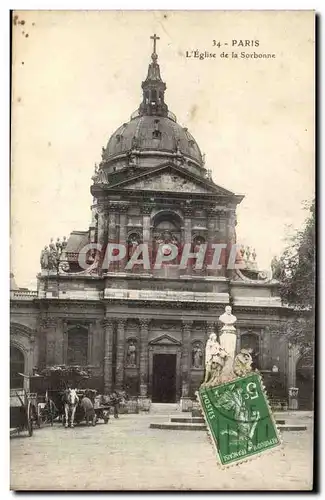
<point>29,416</point>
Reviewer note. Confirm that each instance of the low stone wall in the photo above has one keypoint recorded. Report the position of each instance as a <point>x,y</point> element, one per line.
<point>130,406</point>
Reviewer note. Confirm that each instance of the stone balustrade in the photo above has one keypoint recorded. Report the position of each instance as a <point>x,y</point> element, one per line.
<point>165,295</point>
<point>23,294</point>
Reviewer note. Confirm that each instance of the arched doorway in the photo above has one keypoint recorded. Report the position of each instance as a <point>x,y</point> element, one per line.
<point>305,382</point>
<point>17,365</point>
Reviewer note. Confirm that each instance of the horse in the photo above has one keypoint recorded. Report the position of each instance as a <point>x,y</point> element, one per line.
<point>88,408</point>
<point>70,402</point>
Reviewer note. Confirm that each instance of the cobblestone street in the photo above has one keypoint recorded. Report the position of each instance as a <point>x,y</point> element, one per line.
<point>126,455</point>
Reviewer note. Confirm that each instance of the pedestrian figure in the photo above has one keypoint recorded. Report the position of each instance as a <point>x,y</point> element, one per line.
<point>115,403</point>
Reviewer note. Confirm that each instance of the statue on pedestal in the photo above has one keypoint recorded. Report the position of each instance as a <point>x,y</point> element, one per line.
<point>197,356</point>
<point>228,339</point>
<point>215,358</point>
<point>131,354</point>
<point>228,319</point>
<point>44,259</point>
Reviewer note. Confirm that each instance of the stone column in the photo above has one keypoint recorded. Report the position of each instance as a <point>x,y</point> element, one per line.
<point>186,402</point>
<point>222,238</point>
<point>144,334</point>
<point>120,353</point>
<point>188,213</point>
<point>41,334</point>
<point>90,344</point>
<point>212,239</point>
<point>186,347</point>
<point>101,221</point>
<point>102,231</point>
<point>146,230</point>
<point>123,235</point>
<point>34,352</point>
<point>112,231</point>
<point>231,226</point>
<point>65,342</point>
<point>108,354</point>
<point>293,357</point>
<point>264,348</point>
<point>53,342</point>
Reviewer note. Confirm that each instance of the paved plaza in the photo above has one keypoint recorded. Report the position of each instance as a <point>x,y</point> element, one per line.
<point>126,454</point>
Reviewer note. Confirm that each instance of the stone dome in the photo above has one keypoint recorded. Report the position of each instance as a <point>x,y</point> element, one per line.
<point>152,131</point>
<point>155,134</point>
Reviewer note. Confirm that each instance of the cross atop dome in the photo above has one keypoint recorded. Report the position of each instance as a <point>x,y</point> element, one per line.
<point>153,87</point>
<point>154,54</point>
<point>154,38</point>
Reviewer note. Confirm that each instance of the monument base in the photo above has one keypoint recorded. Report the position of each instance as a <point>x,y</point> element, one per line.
<point>144,403</point>
<point>186,404</point>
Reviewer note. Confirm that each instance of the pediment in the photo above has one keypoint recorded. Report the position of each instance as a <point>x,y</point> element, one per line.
<point>168,181</point>
<point>165,340</point>
<point>171,178</point>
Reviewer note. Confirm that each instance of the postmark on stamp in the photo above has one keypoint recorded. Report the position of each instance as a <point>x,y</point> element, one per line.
<point>239,419</point>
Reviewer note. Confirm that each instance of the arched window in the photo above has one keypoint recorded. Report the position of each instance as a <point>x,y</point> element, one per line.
<point>167,229</point>
<point>17,365</point>
<point>252,341</point>
<point>78,346</point>
<point>198,246</point>
<point>133,242</point>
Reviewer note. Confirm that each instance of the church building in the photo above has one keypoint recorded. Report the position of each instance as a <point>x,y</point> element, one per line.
<point>144,328</point>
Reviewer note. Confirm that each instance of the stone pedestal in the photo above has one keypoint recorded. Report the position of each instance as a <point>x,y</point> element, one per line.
<point>293,398</point>
<point>186,404</point>
<point>144,403</point>
<point>143,390</point>
<point>228,340</point>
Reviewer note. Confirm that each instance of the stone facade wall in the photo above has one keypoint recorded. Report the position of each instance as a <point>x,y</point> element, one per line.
<point>154,328</point>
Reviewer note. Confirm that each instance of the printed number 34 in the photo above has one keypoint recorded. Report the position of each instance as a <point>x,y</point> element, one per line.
<point>216,44</point>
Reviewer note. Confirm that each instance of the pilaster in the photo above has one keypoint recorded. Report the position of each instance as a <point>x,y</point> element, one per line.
<point>188,213</point>
<point>123,234</point>
<point>212,239</point>
<point>112,230</point>
<point>144,357</point>
<point>102,222</point>
<point>146,210</point>
<point>222,238</point>
<point>120,353</point>
<point>186,353</point>
<point>108,354</point>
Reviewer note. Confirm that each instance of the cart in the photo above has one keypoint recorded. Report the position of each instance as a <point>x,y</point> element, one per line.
<point>21,412</point>
<point>102,408</point>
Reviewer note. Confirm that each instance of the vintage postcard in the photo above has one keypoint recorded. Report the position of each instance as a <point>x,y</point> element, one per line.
<point>162,280</point>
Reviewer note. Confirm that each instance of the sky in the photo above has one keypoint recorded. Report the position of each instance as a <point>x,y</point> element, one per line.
<point>76,77</point>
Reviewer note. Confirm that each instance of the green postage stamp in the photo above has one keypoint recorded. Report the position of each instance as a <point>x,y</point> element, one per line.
<point>239,419</point>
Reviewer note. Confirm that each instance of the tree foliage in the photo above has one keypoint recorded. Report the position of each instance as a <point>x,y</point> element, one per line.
<point>295,270</point>
<point>62,376</point>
